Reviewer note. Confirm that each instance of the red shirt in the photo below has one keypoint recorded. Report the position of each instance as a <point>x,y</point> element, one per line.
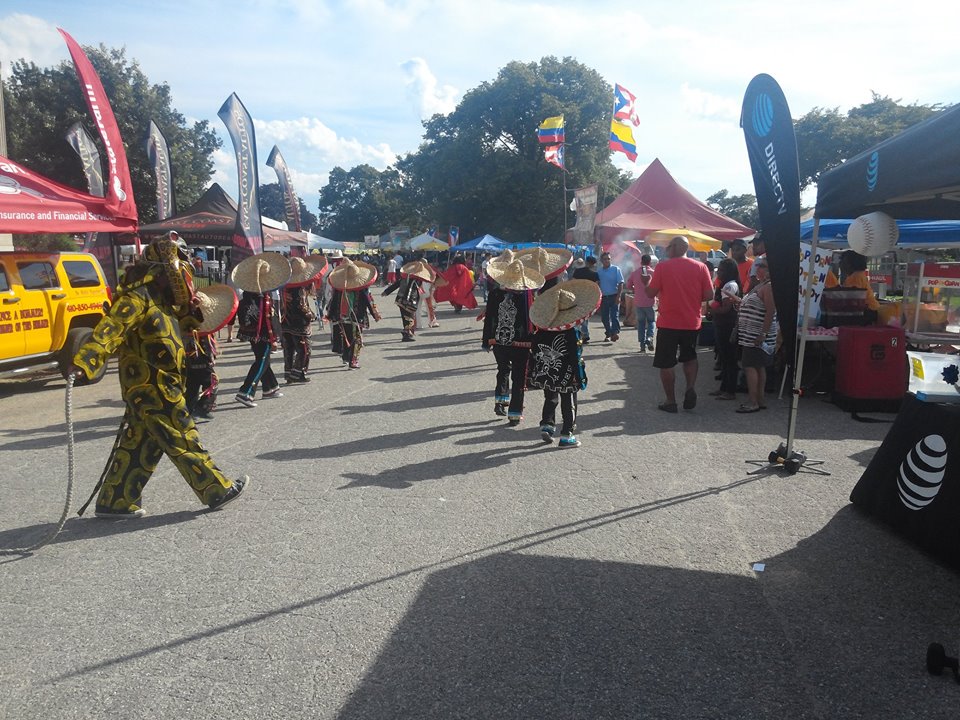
<point>683,283</point>
<point>744,269</point>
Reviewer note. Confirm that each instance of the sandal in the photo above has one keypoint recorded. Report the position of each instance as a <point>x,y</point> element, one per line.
<point>748,409</point>
<point>726,396</point>
<point>690,399</point>
<point>667,407</point>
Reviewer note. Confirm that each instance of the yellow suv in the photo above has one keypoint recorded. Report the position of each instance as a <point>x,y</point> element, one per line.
<point>49,304</point>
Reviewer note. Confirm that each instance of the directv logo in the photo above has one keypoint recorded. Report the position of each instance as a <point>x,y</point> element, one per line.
<point>763,115</point>
<point>873,171</point>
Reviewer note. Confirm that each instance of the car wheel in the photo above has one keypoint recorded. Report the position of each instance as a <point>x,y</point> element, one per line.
<point>75,339</point>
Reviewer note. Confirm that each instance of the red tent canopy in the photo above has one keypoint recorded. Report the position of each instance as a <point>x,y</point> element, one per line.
<point>655,201</point>
<point>32,203</point>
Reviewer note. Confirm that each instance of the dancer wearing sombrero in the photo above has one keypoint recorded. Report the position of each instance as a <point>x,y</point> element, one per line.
<point>409,290</point>
<point>258,276</point>
<point>556,363</point>
<point>144,326</point>
<point>507,330</point>
<point>218,304</point>
<point>350,305</point>
<point>296,317</point>
<point>549,262</point>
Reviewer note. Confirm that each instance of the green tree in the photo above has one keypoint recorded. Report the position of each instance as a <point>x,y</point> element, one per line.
<point>363,201</point>
<point>742,208</point>
<point>825,137</point>
<point>46,242</point>
<point>272,205</point>
<point>42,104</point>
<point>481,167</point>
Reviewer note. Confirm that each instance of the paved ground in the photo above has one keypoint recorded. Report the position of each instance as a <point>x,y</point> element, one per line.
<point>404,554</point>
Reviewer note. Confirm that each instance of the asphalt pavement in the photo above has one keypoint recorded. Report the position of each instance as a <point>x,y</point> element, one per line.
<point>403,553</point>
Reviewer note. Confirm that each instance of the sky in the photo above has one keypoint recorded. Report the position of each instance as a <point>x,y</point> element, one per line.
<point>348,82</point>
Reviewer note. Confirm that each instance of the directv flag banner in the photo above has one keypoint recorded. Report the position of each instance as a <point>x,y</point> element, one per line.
<point>772,147</point>
<point>159,157</point>
<point>291,205</point>
<point>119,190</point>
<point>80,140</point>
<point>248,232</point>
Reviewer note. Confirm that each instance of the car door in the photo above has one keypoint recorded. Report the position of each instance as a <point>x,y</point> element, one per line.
<point>11,342</point>
<point>41,291</point>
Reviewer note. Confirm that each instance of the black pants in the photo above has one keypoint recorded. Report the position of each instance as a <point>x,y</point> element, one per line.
<point>201,389</point>
<point>568,410</point>
<point>512,374</point>
<point>296,352</point>
<point>727,352</point>
<point>260,370</point>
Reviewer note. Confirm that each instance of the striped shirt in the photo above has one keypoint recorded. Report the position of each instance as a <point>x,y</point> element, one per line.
<point>750,320</point>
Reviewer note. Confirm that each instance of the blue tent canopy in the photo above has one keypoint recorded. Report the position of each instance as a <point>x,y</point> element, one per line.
<point>914,234</point>
<point>484,243</point>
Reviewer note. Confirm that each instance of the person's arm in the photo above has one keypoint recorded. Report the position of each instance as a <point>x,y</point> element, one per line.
<point>653,287</point>
<point>109,333</point>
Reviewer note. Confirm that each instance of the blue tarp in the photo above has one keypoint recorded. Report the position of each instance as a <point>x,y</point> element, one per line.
<point>914,234</point>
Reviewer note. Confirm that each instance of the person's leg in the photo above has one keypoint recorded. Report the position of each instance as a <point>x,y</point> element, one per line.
<point>761,399</point>
<point>548,416</point>
<point>192,389</point>
<point>129,467</point>
<point>753,379</point>
<point>288,342</point>
<point>568,411</point>
<point>668,380</point>
<point>356,346</point>
<point>518,381</point>
<point>615,316</point>
<point>304,358</point>
<point>665,360</point>
<point>605,303</point>
<point>261,356</point>
<point>585,330</point>
<point>641,327</point>
<point>268,380</point>
<point>728,366</point>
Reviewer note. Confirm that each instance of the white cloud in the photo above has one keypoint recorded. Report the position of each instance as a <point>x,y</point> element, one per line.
<point>29,38</point>
<point>708,105</point>
<point>430,98</point>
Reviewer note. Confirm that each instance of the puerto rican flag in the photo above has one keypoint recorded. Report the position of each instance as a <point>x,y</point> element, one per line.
<point>625,105</point>
<point>554,154</point>
<point>454,235</point>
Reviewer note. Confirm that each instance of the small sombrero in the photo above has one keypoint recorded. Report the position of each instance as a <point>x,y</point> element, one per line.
<point>549,262</point>
<point>261,273</point>
<point>563,305</point>
<point>418,269</point>
<point>511,274</point>
<point>352,275</point>
<point>218,303</point>
<point>304,270</point>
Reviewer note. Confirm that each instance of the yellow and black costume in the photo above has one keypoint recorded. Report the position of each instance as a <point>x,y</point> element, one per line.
<point>144,327</point>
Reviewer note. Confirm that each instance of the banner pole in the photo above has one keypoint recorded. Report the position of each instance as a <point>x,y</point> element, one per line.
<point>801,350</point>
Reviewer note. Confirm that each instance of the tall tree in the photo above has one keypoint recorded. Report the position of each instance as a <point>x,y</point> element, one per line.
<point>825,137</point>
<point>481,167</point>
<point>363,201</point>
<point>42,104</point>
<point>272,205</point>
<point>742,208</point>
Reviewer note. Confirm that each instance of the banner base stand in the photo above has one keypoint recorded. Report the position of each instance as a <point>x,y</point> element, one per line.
<point>781,461</point>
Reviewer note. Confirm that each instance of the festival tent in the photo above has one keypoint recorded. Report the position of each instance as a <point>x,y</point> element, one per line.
<point>484,243</point>
<point>426,241</point>
<point>656,201</point>
<point>210,221</point>
<point>318,242</point>
<point>32,203</point>
<point>914,234</point>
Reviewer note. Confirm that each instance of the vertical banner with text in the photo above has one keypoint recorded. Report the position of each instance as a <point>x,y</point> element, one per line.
<point>248,231</point>
<point>585,199</point>
<point>159,157</point>
<point>291,206</point>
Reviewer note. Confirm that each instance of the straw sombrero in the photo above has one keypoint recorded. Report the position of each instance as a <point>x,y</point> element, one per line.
<point>352,275</point>
<point>560,307</point>
<point>304,270</point>
<point>218,303</point>
<point>511,274</point>
<point>261,273</point>
<point>418,269</point>
<point>549,262</point>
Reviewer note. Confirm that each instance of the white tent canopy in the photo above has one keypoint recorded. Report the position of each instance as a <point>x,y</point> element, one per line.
<point>318,242</point>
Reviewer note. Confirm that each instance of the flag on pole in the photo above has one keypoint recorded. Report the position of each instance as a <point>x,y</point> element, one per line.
<point>248,230</point>
<point>159,157</point>
<point>454,235</point>
<point>625,105</point>
<point>291,204</point>
<point>432,232</point>
<point>82,144</point>
<point>621,140</point>
<point>551,130</point>
<point>554,154</point>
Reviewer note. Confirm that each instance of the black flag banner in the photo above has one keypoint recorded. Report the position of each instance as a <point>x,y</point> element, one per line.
<point>772,147</point>
<point>248,232</point>
<point>86,148</point>
<point>290,204</point>
<point>159,157</point>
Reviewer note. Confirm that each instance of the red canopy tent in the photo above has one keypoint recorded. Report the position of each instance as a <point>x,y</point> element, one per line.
<point>655,201</point>
<point>32,203</point>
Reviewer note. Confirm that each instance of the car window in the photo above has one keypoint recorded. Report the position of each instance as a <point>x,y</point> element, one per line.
<point>37,275</point>
<point>4,283</point>
<point>81,273</point>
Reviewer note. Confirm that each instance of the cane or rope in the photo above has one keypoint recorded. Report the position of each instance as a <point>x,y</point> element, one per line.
<point>68,412</point>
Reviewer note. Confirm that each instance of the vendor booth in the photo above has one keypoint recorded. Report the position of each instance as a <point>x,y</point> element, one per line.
<point>913,482</point>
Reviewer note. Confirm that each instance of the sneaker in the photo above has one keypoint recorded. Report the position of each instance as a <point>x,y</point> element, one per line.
<point>500,409</point>
<point>434,324</point>
<point>133,511</point>
<point>245,400</point>
<point>585,341</point>
<point>643,350</point>
<point>354,364</point>
<point>270,394</point>
<point>408,338</point>
<point>615,337</point>
<point>568,441</point>
<point>232,493</point>
<point>514,418</point>
<point>547,432</point>
<point>650,346</point>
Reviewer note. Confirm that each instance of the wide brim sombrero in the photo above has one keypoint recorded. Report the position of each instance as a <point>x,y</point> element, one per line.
<point>305,270</point>
<point>565,304</point>
<point>352,275</point>
<point>514,275</point>
<point>418,269</point>
<point>549,262</point>
<point>218,303</point>
<point>261,273</point>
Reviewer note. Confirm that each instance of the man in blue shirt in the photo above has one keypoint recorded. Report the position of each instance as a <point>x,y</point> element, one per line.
<point>611,288</point>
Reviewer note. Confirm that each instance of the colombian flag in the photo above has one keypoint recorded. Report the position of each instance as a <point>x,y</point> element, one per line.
<point>551,130</point>
<point>621,140</point>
